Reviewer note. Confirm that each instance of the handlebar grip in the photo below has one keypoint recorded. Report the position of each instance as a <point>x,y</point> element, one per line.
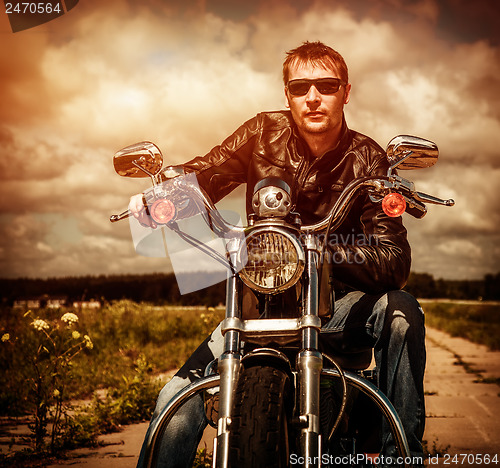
<point>416,212</point>
<point>415,208</point>
<point>119,217</point>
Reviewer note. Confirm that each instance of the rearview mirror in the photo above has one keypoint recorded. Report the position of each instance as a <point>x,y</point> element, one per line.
<point>142,159</point>
<point>409,152</point>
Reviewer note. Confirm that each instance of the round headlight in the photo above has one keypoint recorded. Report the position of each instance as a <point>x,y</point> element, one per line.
<point>272,260</point>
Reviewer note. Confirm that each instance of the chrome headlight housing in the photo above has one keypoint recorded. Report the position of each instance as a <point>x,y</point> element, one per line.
<point>272,260</point>
<point>271,198</point>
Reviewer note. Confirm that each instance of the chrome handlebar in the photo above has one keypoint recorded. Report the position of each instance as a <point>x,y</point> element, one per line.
<point>377,185</point>
<point>119,217</point>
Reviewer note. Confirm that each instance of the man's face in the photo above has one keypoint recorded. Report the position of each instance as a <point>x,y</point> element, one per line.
<point>316,113</point>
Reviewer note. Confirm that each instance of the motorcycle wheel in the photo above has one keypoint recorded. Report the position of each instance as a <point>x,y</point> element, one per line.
<point>259,424</point>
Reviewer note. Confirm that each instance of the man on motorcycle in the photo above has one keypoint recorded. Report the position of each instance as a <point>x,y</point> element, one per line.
<point>311,148</point>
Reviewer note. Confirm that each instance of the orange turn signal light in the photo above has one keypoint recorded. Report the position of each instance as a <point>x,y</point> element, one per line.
<point>162,211</point>
<point>394,205</point>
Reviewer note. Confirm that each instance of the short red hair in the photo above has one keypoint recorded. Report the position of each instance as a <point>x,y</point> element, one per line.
<point>315,53</point>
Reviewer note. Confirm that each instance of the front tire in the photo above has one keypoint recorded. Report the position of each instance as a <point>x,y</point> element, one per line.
<point>259,421</point>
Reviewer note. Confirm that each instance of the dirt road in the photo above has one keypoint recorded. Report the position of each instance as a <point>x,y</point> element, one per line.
<point>463,415</point>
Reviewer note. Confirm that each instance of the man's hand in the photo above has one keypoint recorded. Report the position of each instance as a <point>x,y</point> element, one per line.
<point>138,211</point>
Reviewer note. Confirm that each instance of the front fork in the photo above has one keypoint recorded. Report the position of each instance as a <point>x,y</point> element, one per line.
<point>309,366</point>
<point>229,369</point>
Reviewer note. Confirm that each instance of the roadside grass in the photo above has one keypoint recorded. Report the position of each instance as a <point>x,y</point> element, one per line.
<point>476,322</point>
<point>121,332</point>
<point>133,346</point>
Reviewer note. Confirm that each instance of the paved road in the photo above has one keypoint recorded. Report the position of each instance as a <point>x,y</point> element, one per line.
<point>463,417</point>
<point>462,413</point>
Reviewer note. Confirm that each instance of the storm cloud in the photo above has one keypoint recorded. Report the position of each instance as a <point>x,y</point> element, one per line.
<point>186,74</point>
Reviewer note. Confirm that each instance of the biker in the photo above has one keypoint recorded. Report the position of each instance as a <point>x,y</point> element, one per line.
<point>311,148</point>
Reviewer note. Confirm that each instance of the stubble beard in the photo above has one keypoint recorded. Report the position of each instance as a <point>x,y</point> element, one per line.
<point>315,128</point>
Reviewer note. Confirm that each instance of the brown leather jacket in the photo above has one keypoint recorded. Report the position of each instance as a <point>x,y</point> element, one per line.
<point>370,251</point>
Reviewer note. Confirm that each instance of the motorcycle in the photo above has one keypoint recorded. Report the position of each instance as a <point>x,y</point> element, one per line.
<point>280,401</point>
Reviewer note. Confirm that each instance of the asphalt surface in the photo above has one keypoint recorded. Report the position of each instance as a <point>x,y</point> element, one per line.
<point>463,418</point>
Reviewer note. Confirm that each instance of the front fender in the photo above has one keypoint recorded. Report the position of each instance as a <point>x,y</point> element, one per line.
<point>269,356</point>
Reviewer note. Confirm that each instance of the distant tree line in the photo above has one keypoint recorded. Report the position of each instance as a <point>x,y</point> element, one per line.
<point>424,285</point>
<point>163,289</point>
<point>155,288</point>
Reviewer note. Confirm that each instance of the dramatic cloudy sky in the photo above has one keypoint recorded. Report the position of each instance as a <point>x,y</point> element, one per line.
<point>186,73</point>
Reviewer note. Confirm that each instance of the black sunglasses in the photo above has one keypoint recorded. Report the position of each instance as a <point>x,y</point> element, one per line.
<point>323,85</point>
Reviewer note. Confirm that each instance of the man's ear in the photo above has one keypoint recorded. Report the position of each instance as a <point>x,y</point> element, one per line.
<point>347,95</point>
<point>287,102</point>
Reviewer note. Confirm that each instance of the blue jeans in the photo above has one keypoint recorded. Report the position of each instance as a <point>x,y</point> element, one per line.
<point>392,323</point>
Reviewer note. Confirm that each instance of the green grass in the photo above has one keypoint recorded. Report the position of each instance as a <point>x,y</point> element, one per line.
<point>479,323</point>
<point>121,332</point>
<point>132,345</point>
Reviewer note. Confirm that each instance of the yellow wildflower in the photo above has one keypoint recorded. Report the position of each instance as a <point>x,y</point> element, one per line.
<point>39,324</point>
<point>88,342</point>
<point>70,318</point>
